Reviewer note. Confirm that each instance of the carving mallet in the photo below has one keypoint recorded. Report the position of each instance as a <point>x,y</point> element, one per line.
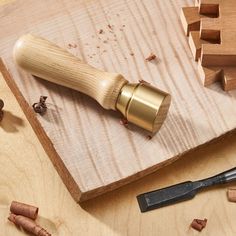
<point>140,103</point>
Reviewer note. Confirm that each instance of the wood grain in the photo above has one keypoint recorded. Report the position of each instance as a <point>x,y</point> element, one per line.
<point>27,175</point>
<point>212,24</point>
<point>98,152</point>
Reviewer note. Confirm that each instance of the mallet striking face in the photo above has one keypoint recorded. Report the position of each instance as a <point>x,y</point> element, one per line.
<point>141,103</point>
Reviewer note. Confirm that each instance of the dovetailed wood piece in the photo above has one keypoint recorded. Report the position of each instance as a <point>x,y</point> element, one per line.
<point>195,43</point>
<point>190,19</point>
<point>92,152</point>
<point>213,43</point>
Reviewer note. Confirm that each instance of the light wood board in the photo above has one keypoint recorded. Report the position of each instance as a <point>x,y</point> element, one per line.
<point>88,141</point>
<point>27,175</point>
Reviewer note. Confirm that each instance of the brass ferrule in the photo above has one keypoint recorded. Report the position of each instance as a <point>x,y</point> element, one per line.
<point>144,105</point>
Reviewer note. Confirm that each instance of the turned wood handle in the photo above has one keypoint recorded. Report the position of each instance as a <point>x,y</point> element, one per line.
<point>50,62</point>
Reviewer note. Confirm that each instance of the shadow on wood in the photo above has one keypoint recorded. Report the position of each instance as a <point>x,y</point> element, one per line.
<point>11,122</point>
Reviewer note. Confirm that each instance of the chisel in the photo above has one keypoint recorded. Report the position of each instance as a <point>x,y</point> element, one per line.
<point>181,192</point>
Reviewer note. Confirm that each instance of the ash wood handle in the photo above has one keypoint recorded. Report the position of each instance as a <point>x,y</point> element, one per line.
<point>50,62</point>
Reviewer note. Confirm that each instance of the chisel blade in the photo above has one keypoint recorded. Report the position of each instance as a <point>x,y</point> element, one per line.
<point>166,196</point>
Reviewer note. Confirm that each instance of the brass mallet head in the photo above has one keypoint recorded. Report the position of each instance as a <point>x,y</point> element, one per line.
<point>141,103</point>
<point>144,105</point>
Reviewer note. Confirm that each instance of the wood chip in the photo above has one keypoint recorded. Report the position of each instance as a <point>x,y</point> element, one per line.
<point>231,194</point>
<point>101,31</point>
<point>151,57</point>
<point>198,224</point>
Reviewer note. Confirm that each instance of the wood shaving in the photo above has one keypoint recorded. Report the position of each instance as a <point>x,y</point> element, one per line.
<point>1,107</point>
<point>28,225</point>
<point>198,224</point>
<point>70,45</point>
<point>151,57</point>
<point>141,81</point>
<point>1,115</point>
<point>40,107</point>
<point>19,208</point>
<point>124,122</point>
<point>1,104</point>
<point>231,194</point>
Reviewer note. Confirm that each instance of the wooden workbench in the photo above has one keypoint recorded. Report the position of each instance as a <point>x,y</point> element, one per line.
<point>27,175</point>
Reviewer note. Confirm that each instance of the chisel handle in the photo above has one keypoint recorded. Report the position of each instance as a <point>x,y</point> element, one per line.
<point>50,62</point>
<point>221,178</point>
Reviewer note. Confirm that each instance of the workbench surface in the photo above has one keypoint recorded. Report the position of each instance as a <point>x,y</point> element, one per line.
<point>27,175</point>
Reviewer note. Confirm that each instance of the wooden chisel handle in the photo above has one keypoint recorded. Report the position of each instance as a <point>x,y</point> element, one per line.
<point>48,61</point>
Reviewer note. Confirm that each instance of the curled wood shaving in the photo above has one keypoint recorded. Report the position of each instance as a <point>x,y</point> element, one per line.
<point>40,107</point>
<point>19,208</point>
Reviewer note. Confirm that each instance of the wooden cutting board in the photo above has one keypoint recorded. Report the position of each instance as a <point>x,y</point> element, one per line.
<point>91,150</point>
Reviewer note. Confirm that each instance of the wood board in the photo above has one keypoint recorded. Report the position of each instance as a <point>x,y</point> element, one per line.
<point>92,152</point>
<point>211,27</point>
<point>21,153</point>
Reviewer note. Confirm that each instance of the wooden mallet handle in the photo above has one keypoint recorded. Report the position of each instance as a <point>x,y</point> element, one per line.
<point>50,62</point>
